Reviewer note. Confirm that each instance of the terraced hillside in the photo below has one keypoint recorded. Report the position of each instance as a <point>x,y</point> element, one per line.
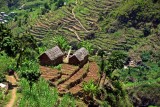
<point>75,21</point>
<point>82,21</point>
<point>70,78</point>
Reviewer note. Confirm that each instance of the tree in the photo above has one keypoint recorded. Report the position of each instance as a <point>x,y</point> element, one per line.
<point>23,45</point>
<point>87,45</point>
<point>90,36</point>
<point>28,48</point>
<point>61,42</point>
<point>115,61</point>
<point>46,6</point>
<point>30,71</point>
<point>59,3</point>
<point>7,41</point>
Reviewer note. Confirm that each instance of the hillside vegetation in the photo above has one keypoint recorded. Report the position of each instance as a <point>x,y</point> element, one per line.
<point>115,32</point>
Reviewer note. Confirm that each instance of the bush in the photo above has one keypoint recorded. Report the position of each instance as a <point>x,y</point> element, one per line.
<point>6,63</point>
<point>145,56</point>
<point>67,101</point>
<point>90,36</point>
<point>146,31</point>
<point>87,45</point>
<point>58,67</point>
<point>41,95</point>
<point>2,77</point>
<point>30,71</point>
<point>90,88</point>
<point>158,63</point>
<point>61,42</point>
<point>136,11</point>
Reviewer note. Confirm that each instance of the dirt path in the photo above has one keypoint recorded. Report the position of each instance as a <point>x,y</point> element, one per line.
<point>75,34</point>
<point>77,19</point>
<point>12,80</point>
<point>78,22</point>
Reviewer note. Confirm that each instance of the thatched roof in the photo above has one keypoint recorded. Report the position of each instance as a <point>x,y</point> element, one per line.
<point>54,53</point>
<point>81,54</point>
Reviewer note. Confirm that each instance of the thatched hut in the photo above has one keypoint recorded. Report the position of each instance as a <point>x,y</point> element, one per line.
<point>80,57</point>
<point>52,56</point>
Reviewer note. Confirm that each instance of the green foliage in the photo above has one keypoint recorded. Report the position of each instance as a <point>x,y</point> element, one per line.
<point>40,95</point>
<point>145,56</point>
<point>1,94</point>
<point>46,6</point>
<point>67,101</point>
<point>30,71</point>
<point>132,13</point>
<point>7,42</point>
<point>90,88</point>
<point>146,31</point>
<point>158,63</point>
<point>117,97</point>
<point>116,61</point>
<point>117,34</point>
<point>58,67</point>
<point>141,73</point>
<point>6,63</point>
<point>87,45</point>
<point>145,90</point>
<point>2,77</point>
<point>42,49</point>
<point>28,48</point>
<point>59,3</point>
<point>61,42</point>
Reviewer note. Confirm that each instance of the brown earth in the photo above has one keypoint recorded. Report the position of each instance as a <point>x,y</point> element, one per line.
<point>71,78</point>
<point>13,81</point>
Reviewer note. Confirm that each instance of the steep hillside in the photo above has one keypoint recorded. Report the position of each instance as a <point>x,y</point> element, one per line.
<point>108,25</point>
<point>130,26</point>
<point>77,21</point>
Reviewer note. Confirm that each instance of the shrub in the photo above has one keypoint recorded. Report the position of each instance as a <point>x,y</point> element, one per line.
<point>2,77</point>
<point>61,42</point>
<point>40,95</point>
<point>6,63</point>
<point>146,31</point>
<point>90,88</point>
<point>30,71</point>
<point>158,63</point>
<point>90,36</point>
<point>67,101</point>
<point>145,56</point>
<point>58,67</point>
<point>117,34</point>
<point>87,45</point>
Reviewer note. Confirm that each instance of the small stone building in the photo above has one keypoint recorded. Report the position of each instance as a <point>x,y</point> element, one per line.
<point>52,56</point>
<point>80,57</point>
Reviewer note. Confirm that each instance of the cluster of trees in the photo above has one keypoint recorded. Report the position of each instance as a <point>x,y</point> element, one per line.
<point>24,46</point>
